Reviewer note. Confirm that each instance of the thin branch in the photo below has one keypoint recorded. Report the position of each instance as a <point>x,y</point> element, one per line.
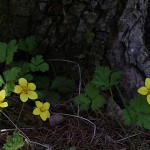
<point>80,77</point>
<point>94,126</point>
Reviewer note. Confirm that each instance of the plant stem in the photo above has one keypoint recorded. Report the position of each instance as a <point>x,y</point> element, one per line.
<point>20,113</point>
<point>126,107</point>
<point>112,109</point>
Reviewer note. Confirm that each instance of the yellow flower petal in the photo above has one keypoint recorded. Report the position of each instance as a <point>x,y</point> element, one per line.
<point>23,97</point>
<point>23,82</point>
<point>43,115</point>
<point>147,83</point>
<point>38,104</point>
<point>48,114</point>
<point>4,104</point>
<point>32,95</point>
<point>31,86</point>
<point>2,95</point>
<point>36,111</point>
<point>46,105</point>
<point>143,90</point>
<point>17,89</point>
<point>148,98</point>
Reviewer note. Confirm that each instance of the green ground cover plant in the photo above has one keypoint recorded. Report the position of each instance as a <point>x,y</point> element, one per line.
<point>27,80</point>
<point>23,77</point>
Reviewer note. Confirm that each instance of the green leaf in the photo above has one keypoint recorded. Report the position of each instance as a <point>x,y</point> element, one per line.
<point>104,78</point>
<point>7,51</point>
<point>1,81</point>
<point>12,74</point>
<point>144,120</point>
<point>54,98</point>
<point>14,142</point>
<point>37,60</point>
<point>41,94</point>
<point>91,90</point>
<point>129,116</point>
<point>98,102</point>
<point>38,64</point>
<point>34,68</point>
<point>44,67</point>
<point>31,43</point>
<point>115,78</point>
<point>101,77</point>
<point>28,77</point>
<point>83,101</point>
<point>3,50</point>
<point>28,44</point>
<point>25,67</point>
<point>62,84</point>
<point>137,112</point>
<point>11,49</point>
<point>22,45</point>
<point>140,105</point>
<point>9,87</point>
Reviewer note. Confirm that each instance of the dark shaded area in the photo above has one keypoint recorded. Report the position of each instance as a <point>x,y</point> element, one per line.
<point>90,32</point>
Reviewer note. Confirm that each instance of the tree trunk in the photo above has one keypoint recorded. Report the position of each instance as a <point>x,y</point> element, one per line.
<point>90,32</point>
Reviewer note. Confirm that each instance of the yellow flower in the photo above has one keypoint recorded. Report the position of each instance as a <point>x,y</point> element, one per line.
<point>42,109</point>
<point>26,90</point>
<point>145,90</point>
<point>2,97</point>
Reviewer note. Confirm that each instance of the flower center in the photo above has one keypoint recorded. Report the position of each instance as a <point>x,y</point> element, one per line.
<point>42,109</point>
<point>25,89</point>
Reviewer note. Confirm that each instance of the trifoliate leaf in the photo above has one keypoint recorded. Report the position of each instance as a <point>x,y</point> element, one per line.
<point>104,78</point>
<point>101,77</point>
<point>83,101</point>
<point>11,49</point>
<point>12,74</point>
<point>3,51</point>
<point>91,90</point>
<point>37,60</point>
<point>95,100</point>
<point>62,84</point>
<point>115,78</point>
<point>38,64</point>
<point>98,102</point>
<point>14,142</point>
<point>138,112</point>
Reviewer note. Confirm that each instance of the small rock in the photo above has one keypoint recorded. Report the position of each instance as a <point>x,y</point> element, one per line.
<point>56,120</point>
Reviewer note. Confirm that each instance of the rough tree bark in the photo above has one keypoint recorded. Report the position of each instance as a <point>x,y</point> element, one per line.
<point>129,51</point>
<point>88,31</point>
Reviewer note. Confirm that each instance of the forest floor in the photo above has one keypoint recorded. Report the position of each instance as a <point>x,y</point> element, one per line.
<point>99,132</point>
